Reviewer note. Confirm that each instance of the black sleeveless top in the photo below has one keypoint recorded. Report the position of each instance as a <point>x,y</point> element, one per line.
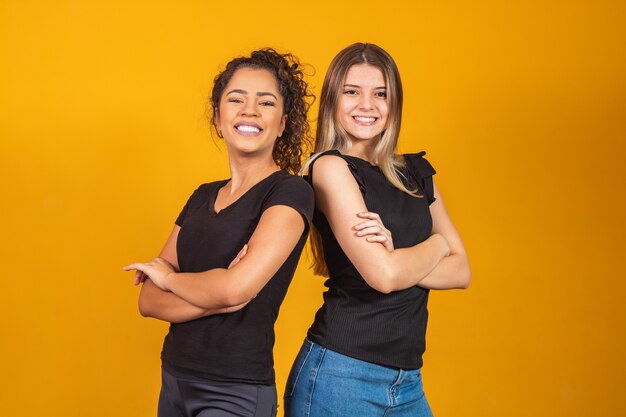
<point>234,347</point>
<point>356,320</point>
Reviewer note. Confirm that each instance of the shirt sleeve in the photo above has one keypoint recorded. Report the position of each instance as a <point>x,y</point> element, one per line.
<point>423,172</point>
<point>351,165</point>
<point>190,203</point>
<point>294,192</point>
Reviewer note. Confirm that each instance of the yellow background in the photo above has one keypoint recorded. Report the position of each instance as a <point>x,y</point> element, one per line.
<point>520,105</point>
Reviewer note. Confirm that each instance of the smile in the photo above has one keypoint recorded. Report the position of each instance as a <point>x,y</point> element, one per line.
<point>365,120</point>
<point>248,128</point>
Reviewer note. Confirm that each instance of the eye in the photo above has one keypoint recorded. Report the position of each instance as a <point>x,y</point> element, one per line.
<point>381,94</point>
<point>235,100</point>
<point>267,103</point>
<point>350,92</point>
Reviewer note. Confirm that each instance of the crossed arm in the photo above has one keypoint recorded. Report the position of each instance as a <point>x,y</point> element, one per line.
<point>178,297</point>
<point>452,271</point>
<point>439,262</point>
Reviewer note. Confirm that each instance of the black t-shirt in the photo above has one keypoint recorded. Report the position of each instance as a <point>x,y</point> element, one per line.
<point>234,347</point>
<point>356,320</point>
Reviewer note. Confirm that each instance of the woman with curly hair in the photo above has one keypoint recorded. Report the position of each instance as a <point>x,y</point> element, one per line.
<point>383,237</point>
<point>217,357</point>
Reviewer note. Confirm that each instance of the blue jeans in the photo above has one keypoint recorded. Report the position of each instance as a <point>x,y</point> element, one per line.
<point>324,383</point>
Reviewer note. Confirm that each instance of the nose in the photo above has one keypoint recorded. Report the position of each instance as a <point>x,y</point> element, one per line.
<point>249,109</point>
<point>365,102</point>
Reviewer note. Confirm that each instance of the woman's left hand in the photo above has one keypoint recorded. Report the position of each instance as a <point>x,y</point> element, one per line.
<point>374,229</point>
<point>158,270</point>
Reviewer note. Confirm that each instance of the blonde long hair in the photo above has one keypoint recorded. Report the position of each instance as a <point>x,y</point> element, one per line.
<point>331,135</point>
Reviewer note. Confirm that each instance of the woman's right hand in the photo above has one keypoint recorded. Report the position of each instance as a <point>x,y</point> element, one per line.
<point>374,229</point>
<point>239,256</point>
<point>158,270</point>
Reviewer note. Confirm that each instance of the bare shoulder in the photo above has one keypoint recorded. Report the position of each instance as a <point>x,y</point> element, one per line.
<point>330,161</point>
<point>330,168</point>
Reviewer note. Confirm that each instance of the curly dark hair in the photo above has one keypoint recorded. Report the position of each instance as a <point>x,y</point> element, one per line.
<point>295,141</point>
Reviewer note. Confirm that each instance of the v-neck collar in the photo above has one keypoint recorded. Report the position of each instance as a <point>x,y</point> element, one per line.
<point>234,203</point>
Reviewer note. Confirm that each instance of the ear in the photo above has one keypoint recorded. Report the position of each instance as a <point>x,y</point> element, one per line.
<point>216,118</point>
<point>283,124</point>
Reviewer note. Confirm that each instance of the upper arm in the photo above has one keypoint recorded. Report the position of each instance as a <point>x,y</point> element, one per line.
<point>169,249</point>
<point>275,237</point>
<point>442,224</point>
<point>338,196</point>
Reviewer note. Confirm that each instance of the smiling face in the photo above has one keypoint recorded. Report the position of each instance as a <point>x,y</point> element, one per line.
<point>362,107</point>
<point>250,114</point>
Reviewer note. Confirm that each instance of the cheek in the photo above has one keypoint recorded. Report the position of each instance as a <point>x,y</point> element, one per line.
<point>343,113</point>
<point>342,106</point>
<point>342,118</point>
<point>275,121</point>
<point>385,112</point>
<point>221,116</point>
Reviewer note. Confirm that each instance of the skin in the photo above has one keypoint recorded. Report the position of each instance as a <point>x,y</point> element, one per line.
<point>440,262</point>
<point>363,108</point>
<point>250,117</point>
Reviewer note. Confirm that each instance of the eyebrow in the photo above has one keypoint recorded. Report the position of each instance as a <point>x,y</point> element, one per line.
<point>259,94</point>
<point>358,86</point>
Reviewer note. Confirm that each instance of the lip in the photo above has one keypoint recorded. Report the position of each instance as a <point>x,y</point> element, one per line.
<point>248,128</point>
<point>371,120</point>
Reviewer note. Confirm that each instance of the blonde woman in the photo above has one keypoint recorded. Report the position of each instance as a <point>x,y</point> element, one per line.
<point>224,271</point>
<point>383,237</point>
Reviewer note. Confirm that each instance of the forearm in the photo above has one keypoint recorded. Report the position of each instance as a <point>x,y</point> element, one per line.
<point>213,289</point>
<point>167,306</point>
<point>409,266</point>
<point>452,272</point>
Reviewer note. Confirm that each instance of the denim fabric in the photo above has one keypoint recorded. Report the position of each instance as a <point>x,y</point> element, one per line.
<point>187,396</point>
<point>324,383</point>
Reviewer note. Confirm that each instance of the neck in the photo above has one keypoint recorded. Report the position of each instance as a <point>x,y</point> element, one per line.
<point>245,171</point>
<point>363,149</point>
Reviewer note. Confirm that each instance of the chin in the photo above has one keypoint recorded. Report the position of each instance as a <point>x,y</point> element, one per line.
<point>364,136</point>
<point>252,149</point>
<point>247,150</point>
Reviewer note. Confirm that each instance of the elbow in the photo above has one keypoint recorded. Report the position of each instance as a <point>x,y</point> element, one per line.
<point>233,296</point>
<point>382,287</point>
<point>146,303</point>
<point>460,275</point>
<point>144,308</point>
<point>385,289</point>
<point>465,278</point>
<point>381,280</point>
<point>233,300</point>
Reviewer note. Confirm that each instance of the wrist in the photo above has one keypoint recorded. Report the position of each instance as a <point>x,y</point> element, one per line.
<point>168,281</point>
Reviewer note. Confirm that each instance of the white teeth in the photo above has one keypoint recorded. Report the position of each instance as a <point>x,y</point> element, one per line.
<point>364,119</point>
<point>246,128</point>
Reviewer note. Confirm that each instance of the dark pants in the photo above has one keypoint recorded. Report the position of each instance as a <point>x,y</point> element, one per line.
<point>195,397</point>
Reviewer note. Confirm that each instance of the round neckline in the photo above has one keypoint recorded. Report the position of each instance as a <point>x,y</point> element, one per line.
<point>362,160</point>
